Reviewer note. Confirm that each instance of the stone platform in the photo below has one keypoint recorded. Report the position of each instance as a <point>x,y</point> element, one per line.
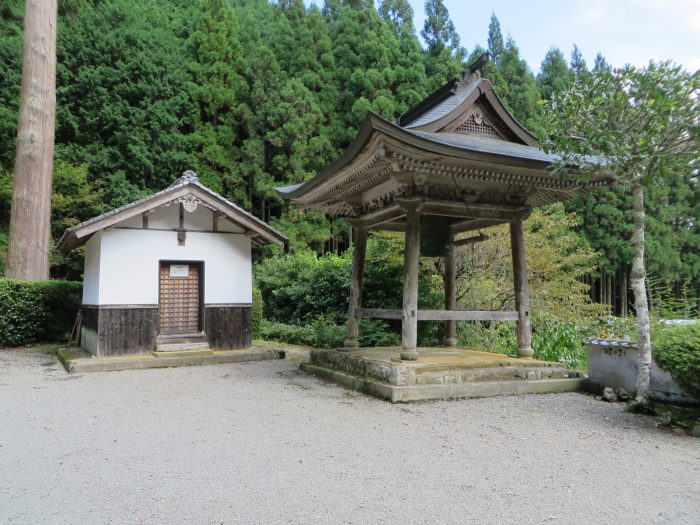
<point>440,373</point>
<point>77,360</point>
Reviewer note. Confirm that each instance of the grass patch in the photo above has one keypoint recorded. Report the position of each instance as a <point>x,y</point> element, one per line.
<point>44,348</point>
<point>684,417</point>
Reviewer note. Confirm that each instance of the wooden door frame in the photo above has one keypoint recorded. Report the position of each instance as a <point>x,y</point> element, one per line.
<point>200,314</point>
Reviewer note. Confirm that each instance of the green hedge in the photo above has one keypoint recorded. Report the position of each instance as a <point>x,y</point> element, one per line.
<point>32,311</point>
<point>677,350</point>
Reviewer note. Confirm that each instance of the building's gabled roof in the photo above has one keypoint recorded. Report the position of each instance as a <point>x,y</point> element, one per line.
<point>461,130</point>
<point>187,184</point>
<point>448,106</point>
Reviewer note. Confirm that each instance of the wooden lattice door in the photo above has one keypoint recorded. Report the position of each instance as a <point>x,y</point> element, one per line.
<point>179,298</point>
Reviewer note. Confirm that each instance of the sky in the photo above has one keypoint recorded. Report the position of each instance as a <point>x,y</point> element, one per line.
<point>625,31</point>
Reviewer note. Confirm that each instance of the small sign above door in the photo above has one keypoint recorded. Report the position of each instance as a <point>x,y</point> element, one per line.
<point>179,270</point>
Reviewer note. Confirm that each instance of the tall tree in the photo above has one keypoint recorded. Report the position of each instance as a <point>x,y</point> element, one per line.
<point>518,87</point>
<point>398,14</point>
<point>444,57</point>
<point>438,29</point>
<point>555,75</point>
<point>642,125</point>
<point>11,78</point>
<point>600,64</point>
<point>216,84</point>
<point>124,102</point>
<point>578,63</point>
<point>495,40</point>
<point>30,216</point>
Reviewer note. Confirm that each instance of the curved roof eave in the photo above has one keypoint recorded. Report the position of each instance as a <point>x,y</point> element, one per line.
<point>506,151</point>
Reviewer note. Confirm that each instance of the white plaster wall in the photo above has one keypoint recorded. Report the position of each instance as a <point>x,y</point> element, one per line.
<point>200,219</point>
<point>91,270</point>
<point>133,222</point>
<point>166,216</point>
<point>129,264</point>
<point>227,226</point>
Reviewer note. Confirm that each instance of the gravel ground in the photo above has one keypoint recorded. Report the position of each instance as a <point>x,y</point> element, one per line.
<point>264,443</point>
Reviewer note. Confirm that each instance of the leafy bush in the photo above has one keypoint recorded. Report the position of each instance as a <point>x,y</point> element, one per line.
<point>319,333</point>
<point>301,287</point>
<point>562,342</point>
<point>375,332</point>
<point>37,311</point>
<point>488,337</point>
<point>552,339</point>
<point>677,350</point>
<point>257,311</point>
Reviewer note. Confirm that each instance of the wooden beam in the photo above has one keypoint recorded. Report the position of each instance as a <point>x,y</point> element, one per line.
<point>355,303</point>
<point>378,216</point>
<point>442,315</point>
<point>215,216</point>
<point>450,284</point>
<point>409,319</point>
<point>391,226</point>
<point>379,313</point>
<point>473,210</point>
<point>522,301</point>
<point>466,315</point>
<point>474,224</point>
<point>470,240</point>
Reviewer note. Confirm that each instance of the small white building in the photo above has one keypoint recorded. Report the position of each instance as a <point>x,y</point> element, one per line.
<point>175,266</point>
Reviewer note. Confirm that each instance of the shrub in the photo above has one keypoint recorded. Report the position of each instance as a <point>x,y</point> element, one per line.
<point>37,310</point>
<point>375,332</point>
<point>257,311</point>
<point>553,340</point>
<point>319,333</point>
<point>677,350</point>
<point>495,337</point>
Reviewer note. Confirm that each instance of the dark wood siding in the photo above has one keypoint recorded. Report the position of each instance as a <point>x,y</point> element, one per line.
<point>123,329</point>
<point>229,327</point>
<point>89,316</point>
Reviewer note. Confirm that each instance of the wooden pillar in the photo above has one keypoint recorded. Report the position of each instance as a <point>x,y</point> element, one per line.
<point>409,319</point>
<point>450,281</point>
<point>355,303</point>
<point>522,300</point>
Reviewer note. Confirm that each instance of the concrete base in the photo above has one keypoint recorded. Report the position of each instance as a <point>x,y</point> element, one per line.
<point>440,373</point>
<point>76,360</point>
<point>406,393</point>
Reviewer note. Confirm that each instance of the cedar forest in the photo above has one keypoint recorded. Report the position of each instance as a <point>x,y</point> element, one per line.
<point>253,94</point>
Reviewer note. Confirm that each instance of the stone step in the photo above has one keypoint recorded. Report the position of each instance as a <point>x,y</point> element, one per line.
<point>503,373</point>
<point>182,346</point>
<point>181,338</point>
<point>425,392</point>
<point>188,352</point>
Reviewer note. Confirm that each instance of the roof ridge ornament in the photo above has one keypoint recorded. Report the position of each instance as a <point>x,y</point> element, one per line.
<point>187,177</point>
<point>473,73</point>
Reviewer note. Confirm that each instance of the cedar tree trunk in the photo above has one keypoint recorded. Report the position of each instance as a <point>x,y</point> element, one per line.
<point>638,285</point>
<point>30,216</point>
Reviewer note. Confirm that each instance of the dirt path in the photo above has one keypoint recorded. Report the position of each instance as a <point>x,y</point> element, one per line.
<point>264,443</point>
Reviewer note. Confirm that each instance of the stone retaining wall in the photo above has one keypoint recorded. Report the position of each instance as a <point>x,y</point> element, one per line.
<point>613,363</point>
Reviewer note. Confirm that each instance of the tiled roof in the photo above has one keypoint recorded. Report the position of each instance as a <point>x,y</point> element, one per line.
<point>443,108</point>
<point>188,178</point>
